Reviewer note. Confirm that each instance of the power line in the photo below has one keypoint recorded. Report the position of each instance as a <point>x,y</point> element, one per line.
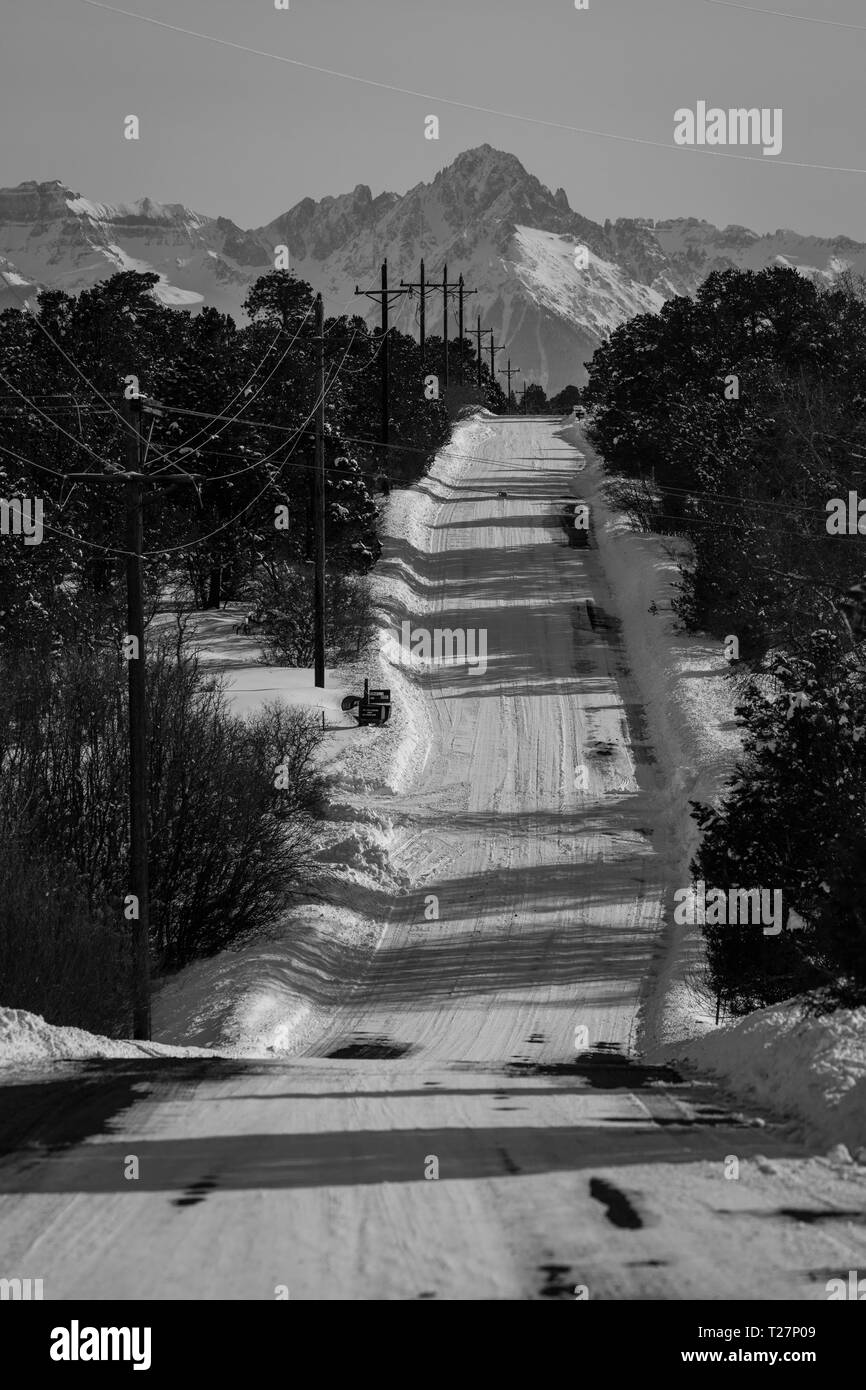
<point>688,521</point>
<point>31,463</point>
<point>733,499</point>
<point>80,443</point>
<point>206,415</point>
<point>466,105</point>
<point>380,342</point>
<point>694,493</point>
<point>240,392</point>
<point>188,444</point>
<point>179,448</point>
<point>199,540</point>
<point>215,417</point>
<point>37,319</point>
<point>785,14</point>
<point>110,409</point>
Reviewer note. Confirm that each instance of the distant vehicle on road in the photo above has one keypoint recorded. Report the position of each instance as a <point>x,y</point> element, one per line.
<point>502,494</point>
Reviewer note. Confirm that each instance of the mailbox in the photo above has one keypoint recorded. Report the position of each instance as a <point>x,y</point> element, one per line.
<point>373,707</point>
<point>369,713</point>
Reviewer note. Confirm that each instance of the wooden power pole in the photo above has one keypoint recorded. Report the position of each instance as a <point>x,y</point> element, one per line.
<point>384,295</point>
<point>445,288</point>
<point>136,677</point>
<point>133,479</point>
<point>509,371</point>
<point>462,292</point>
<point>494,348</point>
<point>423,288</point>
<point>319,492</point>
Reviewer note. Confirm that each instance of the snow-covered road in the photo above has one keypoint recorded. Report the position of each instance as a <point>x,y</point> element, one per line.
<point>476,1122</point>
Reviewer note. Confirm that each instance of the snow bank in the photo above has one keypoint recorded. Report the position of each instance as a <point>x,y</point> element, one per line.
<point>813,1068</point>
<point>689,696</point>
<point>27,1038</point>
<point>685,681</point>
<point>400,590</point>
<point>271,996</point>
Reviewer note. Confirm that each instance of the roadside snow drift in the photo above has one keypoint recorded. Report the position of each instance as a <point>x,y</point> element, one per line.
<point>27,1038</point>
<point>814,1068</point>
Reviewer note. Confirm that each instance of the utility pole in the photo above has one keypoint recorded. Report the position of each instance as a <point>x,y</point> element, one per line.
<point>386,358</point>
<point>136,673</point>
<point>319,492</point>
<point>462,292</point>
<point>445,319</point>
<point>423,289</point>
<point>133,479</point>
<point>494,348</point>
<point>509,371</point>
<point>384,295</point>
<point>523,398</point>
<point>447,287</point>
<point>423,324</point>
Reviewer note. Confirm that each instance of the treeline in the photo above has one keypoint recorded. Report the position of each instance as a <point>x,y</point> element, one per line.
<point>233,405</point>
<point>732,420</point>
<point>737,415</point>
<point>534,401</point>
<point>64,371</point>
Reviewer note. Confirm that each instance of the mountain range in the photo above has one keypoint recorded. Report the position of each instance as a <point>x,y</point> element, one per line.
<point>483,216</point>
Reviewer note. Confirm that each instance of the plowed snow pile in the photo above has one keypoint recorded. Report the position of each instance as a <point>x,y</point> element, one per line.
<point>814,1068</point>
<point>26,1038</point>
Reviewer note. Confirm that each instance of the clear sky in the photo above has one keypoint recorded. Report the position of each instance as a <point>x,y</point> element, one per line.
<point>243,136</point>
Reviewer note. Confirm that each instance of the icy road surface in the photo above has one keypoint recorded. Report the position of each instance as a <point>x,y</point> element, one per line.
<point>496,1046</point>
